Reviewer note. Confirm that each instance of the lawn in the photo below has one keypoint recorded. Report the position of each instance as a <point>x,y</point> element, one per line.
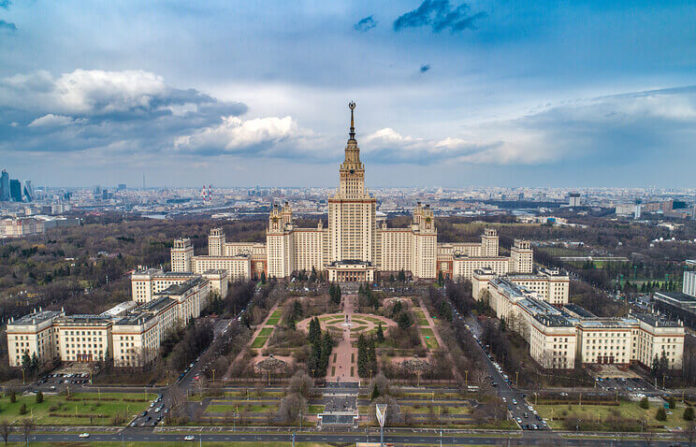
<point>315,409</point>
<point>273,321</point>
<point>266,332</point>
<point>83,409</point>
<point>429,337</point>
<point>233,408</point>
<point>420,316</point>
<point>424,409</point>
<point>259,342</point>
<point>598,413</point>
<point>181,443</point>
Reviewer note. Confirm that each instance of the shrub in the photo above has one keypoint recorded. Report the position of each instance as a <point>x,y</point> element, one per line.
<point>688,414</point>
<point>39,397</point>
<point>23,409</point>
<point>672,403</point>
<point>644,403</point>
<point>13,396</point>
<point>661,414</point>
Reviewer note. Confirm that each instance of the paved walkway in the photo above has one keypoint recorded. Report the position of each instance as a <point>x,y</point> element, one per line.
<point>256,333</point>
<point>343,364</point>
<point>436,333</point>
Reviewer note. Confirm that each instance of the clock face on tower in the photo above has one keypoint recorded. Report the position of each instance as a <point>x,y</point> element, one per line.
<point>352,171</point>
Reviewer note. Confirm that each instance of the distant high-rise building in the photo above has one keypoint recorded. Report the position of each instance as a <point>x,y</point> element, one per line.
<point>121,187</point>
<point>574,199</point>
<point>4,186</point>
<point>636,211</point>
<point>28,191</point>
<point>15,190</point>
<point>689,284</point>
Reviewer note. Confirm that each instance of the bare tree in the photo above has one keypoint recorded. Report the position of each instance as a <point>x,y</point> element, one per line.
<point>28,426</point>
<point>5,430</point>
<point>415,366</point>
<point>290,407</point>
<point>690,433</point>
<point>301,383</point>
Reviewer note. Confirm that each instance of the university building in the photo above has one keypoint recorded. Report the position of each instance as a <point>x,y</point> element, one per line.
<point>129,334</point>
<point>353,246</point>
<point>560,334</point>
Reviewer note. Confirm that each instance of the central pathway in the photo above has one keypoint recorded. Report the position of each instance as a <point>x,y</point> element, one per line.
<point>341,392</point>
<point>342,367</point>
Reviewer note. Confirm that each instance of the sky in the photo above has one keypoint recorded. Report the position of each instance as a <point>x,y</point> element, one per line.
<point>449,93</point>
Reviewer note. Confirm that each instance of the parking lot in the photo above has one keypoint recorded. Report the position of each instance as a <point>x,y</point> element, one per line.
<point>59,381</point>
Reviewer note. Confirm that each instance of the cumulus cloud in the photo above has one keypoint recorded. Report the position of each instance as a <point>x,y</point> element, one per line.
<point>605,129</point>
<point>93,109</point>
<point>9,26</point>
<point>126,94</point>
<point>389,146</point>
<point>234,135</point>
<point>439,15</point>
<point>51,120</point>
<point>365,24</point>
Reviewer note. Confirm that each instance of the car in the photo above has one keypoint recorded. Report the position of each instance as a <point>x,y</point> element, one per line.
<point>514,401</point>
<point>189,438</point>
<point>519,421</point>
<point>83,435</point>
<point>143,414</point>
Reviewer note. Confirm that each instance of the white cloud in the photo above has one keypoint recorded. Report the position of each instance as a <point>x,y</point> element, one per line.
<point>51,120</point>
<point>234,134</point>
<point>89,92</point>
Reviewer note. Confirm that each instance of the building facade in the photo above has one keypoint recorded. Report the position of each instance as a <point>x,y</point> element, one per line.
<point>561,336</point>
<point>353,247</point>
<point>129,334</point>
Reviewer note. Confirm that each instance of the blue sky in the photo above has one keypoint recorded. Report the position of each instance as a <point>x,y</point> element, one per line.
<point>449,93</point>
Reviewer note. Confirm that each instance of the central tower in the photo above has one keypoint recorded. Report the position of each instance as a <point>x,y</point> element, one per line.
<point>352,224</point>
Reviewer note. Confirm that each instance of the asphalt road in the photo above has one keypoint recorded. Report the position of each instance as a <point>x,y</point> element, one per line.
<point>519,409</point>
<point>531,438</point>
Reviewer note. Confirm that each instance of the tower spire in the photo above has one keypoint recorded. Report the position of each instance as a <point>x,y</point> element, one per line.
<point>351,106</point>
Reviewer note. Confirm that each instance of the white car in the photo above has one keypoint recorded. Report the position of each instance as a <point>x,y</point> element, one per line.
<point>84,435</point>
<point>190,438</point>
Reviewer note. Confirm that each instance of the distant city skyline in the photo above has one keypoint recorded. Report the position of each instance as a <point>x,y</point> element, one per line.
<point>448,93</point>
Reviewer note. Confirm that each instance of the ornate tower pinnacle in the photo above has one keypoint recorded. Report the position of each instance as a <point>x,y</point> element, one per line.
<point>351,106</point>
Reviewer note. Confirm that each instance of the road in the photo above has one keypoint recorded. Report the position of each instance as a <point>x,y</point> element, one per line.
<point>518,408</point>
<point>530,438</point>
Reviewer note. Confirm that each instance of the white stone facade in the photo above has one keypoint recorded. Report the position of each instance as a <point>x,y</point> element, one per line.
<point>558,337</point>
